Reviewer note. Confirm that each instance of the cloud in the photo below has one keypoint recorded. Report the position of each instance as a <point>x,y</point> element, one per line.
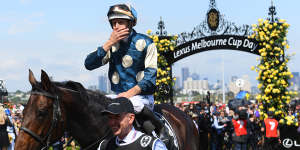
<point>27,24</point>
<point>9,63</point>
<point>11,69</point>
<point>81,37</point>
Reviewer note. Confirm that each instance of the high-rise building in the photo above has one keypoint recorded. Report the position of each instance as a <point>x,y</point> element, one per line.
<point>233,78</point>
<point>92,87</point>
<point>184,74</point>
<point>177,83</point>
<point>296,81</point>
<point>190,85</point>
<point>102,84</point>
<point>296,78</point>
<point>195,76</point>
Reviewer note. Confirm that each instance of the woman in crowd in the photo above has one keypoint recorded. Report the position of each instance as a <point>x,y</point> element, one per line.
<point>4,140</point>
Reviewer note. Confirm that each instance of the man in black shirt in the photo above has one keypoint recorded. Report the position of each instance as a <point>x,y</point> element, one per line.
<point>121,116</point>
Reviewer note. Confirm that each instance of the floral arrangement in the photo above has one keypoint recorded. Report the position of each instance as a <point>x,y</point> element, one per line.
<point>163,80</point>
<point>273,72</point>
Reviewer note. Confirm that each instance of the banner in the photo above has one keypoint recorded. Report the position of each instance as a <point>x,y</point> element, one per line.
<point>233,42</point>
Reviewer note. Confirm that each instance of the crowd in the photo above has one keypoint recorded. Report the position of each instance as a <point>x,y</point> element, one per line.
<point>10,122</point>
<point>215,123</point>
<point>223,128</point>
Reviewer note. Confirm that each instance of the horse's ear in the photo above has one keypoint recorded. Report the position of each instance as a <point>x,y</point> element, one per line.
<point>32,79</point>
<point>46,82</point>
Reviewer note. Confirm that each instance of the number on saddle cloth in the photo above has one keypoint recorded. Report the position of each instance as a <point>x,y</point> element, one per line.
<point>173,144</point>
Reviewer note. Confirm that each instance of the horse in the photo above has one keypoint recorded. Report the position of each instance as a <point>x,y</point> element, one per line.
<point>57,107</point>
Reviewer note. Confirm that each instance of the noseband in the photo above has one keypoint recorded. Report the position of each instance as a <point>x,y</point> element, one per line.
<point>45,141</point>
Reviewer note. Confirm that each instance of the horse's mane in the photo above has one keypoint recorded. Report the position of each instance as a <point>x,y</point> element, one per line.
<point>95,100</point>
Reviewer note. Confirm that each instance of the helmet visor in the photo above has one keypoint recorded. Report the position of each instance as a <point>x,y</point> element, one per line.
<point>120,9</point>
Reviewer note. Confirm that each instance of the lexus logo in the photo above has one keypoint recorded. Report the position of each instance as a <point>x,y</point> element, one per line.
<point>288,143</point>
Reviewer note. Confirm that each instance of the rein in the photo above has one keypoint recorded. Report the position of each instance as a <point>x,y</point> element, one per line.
<point>45,141</point>
<point>101,139</point>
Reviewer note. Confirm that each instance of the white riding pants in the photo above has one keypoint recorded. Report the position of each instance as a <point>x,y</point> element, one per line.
<point>139,101</point>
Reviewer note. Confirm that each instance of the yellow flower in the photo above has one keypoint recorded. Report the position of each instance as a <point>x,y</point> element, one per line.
<point>270,26</point>
<point>259,86</point>
<point>281,121</point>
<point>171,48</point>
<point>149,32</point>
<point>283,43</point>
<point>258,96</point>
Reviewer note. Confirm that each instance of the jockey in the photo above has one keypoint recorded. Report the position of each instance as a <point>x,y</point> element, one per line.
<point>132,59</point>
<point>120,118</point>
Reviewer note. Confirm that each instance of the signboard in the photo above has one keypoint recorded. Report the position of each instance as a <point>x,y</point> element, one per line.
<point>239,83</point>
<point>290,138</point>
<point>233,42</point>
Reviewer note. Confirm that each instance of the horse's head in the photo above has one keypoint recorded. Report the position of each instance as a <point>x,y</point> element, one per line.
<point>42,122</point>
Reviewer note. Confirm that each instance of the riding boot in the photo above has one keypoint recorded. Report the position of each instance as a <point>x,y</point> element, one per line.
<point>159,126</point>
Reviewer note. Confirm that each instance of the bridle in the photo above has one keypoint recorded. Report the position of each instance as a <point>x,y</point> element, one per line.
<point>45,141</point>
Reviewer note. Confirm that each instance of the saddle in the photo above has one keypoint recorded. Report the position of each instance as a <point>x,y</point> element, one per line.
<point>171,143</point>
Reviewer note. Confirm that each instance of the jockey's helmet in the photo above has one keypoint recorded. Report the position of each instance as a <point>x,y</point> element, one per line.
<point>122,11</point>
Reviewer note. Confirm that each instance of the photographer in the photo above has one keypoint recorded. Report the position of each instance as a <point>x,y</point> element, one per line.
<point>253,132</point>
<point>239,122</point>
<point>272,134</point>
<point>204,128</point>
<point>229,131</point>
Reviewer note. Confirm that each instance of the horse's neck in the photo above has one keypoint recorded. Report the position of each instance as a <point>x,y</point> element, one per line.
<point>85,123</point>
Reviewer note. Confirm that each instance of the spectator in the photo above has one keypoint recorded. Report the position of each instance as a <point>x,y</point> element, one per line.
<point>217,131</point>
<point>4,140</point>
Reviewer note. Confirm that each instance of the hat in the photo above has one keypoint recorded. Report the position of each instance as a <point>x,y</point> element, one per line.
<point>118,106</point>
<point>195,115</point>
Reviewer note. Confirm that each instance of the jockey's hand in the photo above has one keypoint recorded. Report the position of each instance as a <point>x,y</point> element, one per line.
<point>131,92</point>
<point>118,34</point>
<point>115,37</point>
<point>125,94</point>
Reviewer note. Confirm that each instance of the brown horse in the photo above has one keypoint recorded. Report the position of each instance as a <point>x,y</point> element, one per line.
<point>57,107</point>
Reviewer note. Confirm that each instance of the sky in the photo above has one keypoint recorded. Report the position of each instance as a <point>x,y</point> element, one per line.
<point>57,35</point>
